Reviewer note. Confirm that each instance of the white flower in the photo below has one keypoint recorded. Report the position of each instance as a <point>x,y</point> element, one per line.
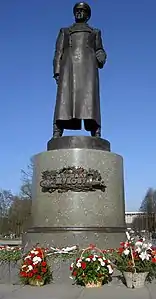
<point>53,248</point>
<point>147,246</point>
<point>72,264</point>
<point>30,267</point>
<point>94,259</point>
<point>138,249</point>
<point>102,263</point>
<point>34,251</point>
<point>78,264</point>
<point>64,249</point>
<point>36,260</point>
<point>110,269</point>
<point>126,251</point>
<point>87,259</point>
<point>71,277</point>
<point>109,261</point>
<point>138,243</point>
<point>100,259</point>
<point>128,236</point>
<point>70,248</point>
<point>144,256</point>
<point>27,257</point>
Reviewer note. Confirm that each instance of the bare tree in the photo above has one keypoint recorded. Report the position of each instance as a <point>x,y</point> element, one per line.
<point>15,211</point>
<point>6,198</point>
<point>19,215</point>
<point>26,187</point>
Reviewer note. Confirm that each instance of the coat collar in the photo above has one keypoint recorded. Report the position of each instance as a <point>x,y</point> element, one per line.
<point>80,27</point>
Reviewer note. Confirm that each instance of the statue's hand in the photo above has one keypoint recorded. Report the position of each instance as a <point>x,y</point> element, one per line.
<point>56,77</point>
<point>101,58</point>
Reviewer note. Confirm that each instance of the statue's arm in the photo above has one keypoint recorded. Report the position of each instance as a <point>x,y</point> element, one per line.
<point>100,52</point>
<point>58,53</point>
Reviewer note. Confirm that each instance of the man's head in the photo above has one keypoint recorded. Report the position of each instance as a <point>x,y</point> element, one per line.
<point>82,12</point>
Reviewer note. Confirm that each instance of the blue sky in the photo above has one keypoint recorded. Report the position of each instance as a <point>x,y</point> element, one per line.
<point>28,31</point>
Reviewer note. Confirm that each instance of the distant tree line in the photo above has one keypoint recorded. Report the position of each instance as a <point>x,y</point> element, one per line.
<point>15,210</point>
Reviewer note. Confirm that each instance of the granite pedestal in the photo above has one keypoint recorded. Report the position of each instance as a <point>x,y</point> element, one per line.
<point>70,218</point>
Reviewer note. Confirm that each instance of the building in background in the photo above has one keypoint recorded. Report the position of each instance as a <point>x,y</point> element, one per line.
<point>130,216</point>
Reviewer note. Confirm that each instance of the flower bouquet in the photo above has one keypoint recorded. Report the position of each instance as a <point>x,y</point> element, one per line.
<point>91,269</point>
<point>34,269</point>
<point>134,259</point>
<point>10,254</point>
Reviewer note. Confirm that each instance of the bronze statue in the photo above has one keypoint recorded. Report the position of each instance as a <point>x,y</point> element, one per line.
<point>78,55</point>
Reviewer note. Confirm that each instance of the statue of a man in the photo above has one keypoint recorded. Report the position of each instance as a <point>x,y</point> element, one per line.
<point>78,55</point>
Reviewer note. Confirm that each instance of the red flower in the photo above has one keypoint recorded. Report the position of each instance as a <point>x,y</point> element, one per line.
<point>43,264</point>
<point>74,273</point>
<point>136,256</point>
<point>44,270</point>
<point>30,274</point>
<point>39,249</point>
<point>38,277</point>
<point>83,265</point>
<point>35,271</point>
<point>91,257</point>
<point>111,250</point>
<point>153,260</point>
<point>29,262</point>
<point>120,250</point>
<point>23,274</point>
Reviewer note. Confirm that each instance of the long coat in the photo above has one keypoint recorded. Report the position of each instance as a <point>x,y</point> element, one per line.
<point>76,62</point>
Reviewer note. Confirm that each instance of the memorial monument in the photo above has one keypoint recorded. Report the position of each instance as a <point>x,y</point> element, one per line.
<point>78,184</point>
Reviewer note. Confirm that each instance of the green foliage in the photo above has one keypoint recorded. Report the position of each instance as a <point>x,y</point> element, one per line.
<point>10,254</point>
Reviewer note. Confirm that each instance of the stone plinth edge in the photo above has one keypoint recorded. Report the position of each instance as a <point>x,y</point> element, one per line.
<point>80,142</point>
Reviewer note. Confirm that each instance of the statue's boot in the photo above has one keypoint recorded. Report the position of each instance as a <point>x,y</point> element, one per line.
<point>57,131</point>
<point>96,133</point>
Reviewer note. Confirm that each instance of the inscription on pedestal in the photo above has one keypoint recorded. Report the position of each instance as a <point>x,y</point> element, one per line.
<point>75,179</point>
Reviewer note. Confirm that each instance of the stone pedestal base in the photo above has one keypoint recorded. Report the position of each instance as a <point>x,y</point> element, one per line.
<point>78,218</point>
<point>78,236</point>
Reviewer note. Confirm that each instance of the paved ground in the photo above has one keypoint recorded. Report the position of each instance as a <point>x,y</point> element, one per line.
<point>64,291</point>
